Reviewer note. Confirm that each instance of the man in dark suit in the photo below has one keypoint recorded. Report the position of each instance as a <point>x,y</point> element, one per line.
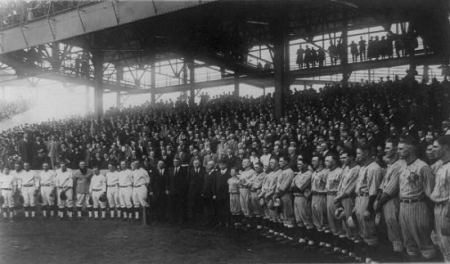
<point>194,191</point>
<point>230,159</point>
<point>158,190</point>
<point>209,179</point>
<point>176,192</point>
<point>221,196</point>
<point>25,148</point>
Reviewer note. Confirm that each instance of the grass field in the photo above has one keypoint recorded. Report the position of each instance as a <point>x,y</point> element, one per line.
<point>52,241</point>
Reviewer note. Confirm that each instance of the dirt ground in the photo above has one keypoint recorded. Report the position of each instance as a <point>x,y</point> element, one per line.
<point>81,242</point>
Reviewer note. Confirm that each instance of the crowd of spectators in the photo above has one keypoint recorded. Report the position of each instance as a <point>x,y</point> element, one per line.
<point>366,112</point>
<point>236,134</point>
<point>10,108</point>
<point>373,49</point>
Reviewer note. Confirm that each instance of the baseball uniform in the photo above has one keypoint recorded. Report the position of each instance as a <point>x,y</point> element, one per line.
<point>346,188</point>
<point>244,190</point>
<point>47,181</point>
<point>8,185</point>
<point>334,178</point>
<point>30,183</point>
<point>416,182</point>
<point>441,197</point>
<point>96,189</point>
<point>125,191</point>
<point>64,182</point>
<point>112,191</point>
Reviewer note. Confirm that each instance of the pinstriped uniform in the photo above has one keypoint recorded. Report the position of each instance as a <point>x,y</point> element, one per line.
<point>441,196</point>
<point>367,184</point>
<point>391,208</point>
<point>319,199</point>
<point>436,166</point>
<point>244,190</point>
<point>416,181</point>
<point>283,188</point>
<point>302,205</point>
<point>265,189</point>
<point>257,209</point>
<point>347,186</point>
<point>273,178</point>
<point>333,180</point>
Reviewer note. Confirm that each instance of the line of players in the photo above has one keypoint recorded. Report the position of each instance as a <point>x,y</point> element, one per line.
<point>338,209</point>
<point>126,191</point>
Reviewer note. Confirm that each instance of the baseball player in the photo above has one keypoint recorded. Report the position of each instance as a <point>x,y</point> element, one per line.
<point>141,180</point>
<point>8,186</point>
<point>233,190</point>
<point>82,178</point>
<point>244,189</point>
<point>334,178</point>
<point>319,201</point>
<point>264,189</point>
<point>344,198</point>
<point>441,194</point>
<point>276,226</point>
<point>17,173</point>
<point>47,182</point>
<point>387,199</point>
<point>64,183</point>
<point>125,190</point>
<point>255,188</point>
<point>416,183</point>
<point>112,192</point>
<point>282,192</point>
<point>97,188</point>
<point>367,185</point>
<point>29,182</point>
<point>301,188</point>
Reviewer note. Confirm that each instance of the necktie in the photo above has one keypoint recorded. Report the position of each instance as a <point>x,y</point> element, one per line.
<point>161,172</point>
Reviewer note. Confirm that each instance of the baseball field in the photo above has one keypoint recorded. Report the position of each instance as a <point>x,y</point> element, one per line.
<point>98,241</point>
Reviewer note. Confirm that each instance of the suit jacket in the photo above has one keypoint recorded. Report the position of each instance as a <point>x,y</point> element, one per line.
<point>54,149</point>
<point>25,150</point>
<point>195,182</point>
<point>176,182</point>
<point>209,182</point>
<point>221,185</point>
<point>158,182</point>
<point>231,161</point>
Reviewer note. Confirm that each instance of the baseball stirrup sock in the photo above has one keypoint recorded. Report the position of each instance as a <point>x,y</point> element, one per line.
<point>103,210</point>
<point>33,211</point>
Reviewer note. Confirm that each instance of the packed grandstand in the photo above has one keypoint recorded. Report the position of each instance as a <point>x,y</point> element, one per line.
<point>227,133</point>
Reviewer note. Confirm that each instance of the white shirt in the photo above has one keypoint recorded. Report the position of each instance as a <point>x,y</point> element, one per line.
<point>126,178</point>
<point>98,182</point>
<point>112,178</point>
<point>47,178</point>
<point>29,179</point>
<point>63,179</point>
<point>8,181</point>
<point>140,177</point>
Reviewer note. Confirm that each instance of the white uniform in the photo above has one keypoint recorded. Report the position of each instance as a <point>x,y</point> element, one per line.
<point>64,180</point>
<point>8,185</point>
<point>112,193</point>
<point>29,183</point>
<point>96,189</point>
<point>47,181</point>
<point>125,188</point>
<point>140,181</point>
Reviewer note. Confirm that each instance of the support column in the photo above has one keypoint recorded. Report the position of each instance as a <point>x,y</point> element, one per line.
<point>346,72</point>
<point>118,103</point>
<point>279,64</point>
<point>264,91</point>
<point>192,82</point>
<point>56,56</point>
<point>98,59</point>
<point>236,86</point>
<point>153,83</point>
<point>88,99</point>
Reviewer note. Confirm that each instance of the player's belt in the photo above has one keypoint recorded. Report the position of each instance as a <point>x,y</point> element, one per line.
<point>46,185</point>
<point>123,186</point>
<point>255,190</point>
<point>331,193</point>
<point>7,189</point>
<point>299,194</point>
<point>244,187</point>
<point>320,194</point>
<point>96,190</point>
<point>28,185</point>
<point>411,200</point>
<point>113,186</point>
<point>362,194</point>
<point>136,186</point>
